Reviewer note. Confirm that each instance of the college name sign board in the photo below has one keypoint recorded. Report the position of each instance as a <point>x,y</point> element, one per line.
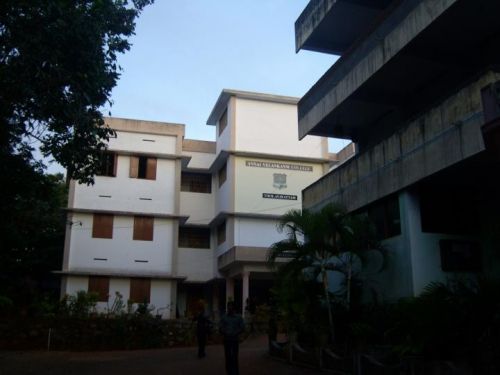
<point>279,196</point>
<point>276,165</point>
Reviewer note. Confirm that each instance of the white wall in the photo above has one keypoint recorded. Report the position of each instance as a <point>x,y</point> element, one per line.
<point>199,160</point>
<point>160,297</point>
<point>252,182</point>
<point>198,206</point>
<point>256,232</point>
<point>76,283</point>
<point>272,128</point>
<point>148,143</point>
<point>196,264</point>
<point>224,140</point>
<point>224,194</point>
<point>425,249</point>
<point>225,246</point>
<point>126,192</point>
<point>121,251</point>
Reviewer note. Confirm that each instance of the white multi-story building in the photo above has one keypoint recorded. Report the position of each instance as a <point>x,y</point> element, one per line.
<point>170,221</point>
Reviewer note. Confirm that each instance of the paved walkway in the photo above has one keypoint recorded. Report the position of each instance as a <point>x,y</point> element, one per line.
<point>254,360</point>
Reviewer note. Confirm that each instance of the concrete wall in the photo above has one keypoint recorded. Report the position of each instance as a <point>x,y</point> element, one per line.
<point>121,251</point>
<point>196,264</point>
<point>253,178</point>
<point>256,232</point>
<point>225,139</point>
<point>160,299</point>
<point>143,143</point>
<point>198,206</point>
<point>224,195</point>
<point>199,160</point>
<point>369,57</point>
<point>122,193</point>
<point>271,128</point>
<point>442,136</point>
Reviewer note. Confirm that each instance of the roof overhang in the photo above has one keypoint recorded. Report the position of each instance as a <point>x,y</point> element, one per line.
<point>374,86</point>
<point>332,26</point>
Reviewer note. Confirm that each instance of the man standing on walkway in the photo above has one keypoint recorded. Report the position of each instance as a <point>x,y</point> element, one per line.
<point>231,326</point>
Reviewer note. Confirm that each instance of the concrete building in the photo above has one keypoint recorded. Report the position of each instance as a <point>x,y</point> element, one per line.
<point>416,89</point>
<point>170,221</point>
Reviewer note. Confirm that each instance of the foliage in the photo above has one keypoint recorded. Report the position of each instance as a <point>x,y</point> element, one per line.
<point>144,309</point>
<point>79,305</point>
<point>58,65</point>
<point>449,321</point>
<point>32,227</point>
<point>316,243</point>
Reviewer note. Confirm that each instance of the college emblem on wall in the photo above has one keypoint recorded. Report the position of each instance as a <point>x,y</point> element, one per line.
<point>279,180</point>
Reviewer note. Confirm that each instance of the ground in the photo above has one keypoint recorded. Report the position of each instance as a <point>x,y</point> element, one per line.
<point>176,361</point>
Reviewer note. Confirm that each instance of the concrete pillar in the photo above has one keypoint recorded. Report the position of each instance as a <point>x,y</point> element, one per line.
<point>245,290</point>
<point>229,289</point>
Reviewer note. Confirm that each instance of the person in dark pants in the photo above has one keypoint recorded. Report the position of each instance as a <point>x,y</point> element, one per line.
<point>231,326</point>
<point>202,331</point>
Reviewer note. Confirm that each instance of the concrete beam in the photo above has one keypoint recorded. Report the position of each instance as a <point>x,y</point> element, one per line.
<point>441,137</point>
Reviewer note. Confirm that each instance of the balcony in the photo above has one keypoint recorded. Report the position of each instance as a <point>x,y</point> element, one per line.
<point>441,137</point>
<point>417,53</point>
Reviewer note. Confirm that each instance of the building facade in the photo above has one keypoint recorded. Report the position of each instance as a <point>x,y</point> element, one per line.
<point>171,221</point>
<point>416,89</point>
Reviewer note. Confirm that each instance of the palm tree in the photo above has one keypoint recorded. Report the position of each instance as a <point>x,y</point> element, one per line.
<point>318,242</point>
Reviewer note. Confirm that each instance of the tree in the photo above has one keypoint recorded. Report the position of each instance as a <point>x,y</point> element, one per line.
<point>319,242</point>
<point>58,65</point>
<point>32,226</point>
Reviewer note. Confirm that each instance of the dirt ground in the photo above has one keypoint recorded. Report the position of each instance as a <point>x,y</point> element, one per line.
<point>254,360</point>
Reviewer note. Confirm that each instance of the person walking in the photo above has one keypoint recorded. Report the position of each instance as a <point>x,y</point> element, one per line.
<point>202,331</point>
<point>231,326</point>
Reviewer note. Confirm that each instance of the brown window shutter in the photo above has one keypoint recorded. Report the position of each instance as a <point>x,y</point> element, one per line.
<point>134,166</point>
<point>102,226</point>
<point>151,169</point>
<point>140,290</point>
<point>143,228</point>
<point>100,286</point>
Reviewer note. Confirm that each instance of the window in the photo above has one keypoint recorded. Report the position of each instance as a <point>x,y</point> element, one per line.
<point>143,228</point>
<point>222,174</point>
<point>221,233</point>
<point>222,122</point>
<point>140,290</point>
<point>102,226</point>
<point>198,238</point>
<point>196,182</point>
<point>385,216</point>
<point>107,165</point>
<point>143,167</point>
<point>100,286</point>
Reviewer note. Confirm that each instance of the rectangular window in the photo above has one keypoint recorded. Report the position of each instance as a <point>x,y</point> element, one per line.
<point>143,228</point>
<point>222,174</point>
<point>221,233</point>
<point>143,167</point>
<point>385,216</point>
<point>100,286</point>
<point>102,226</point>
<point>107,165</point>
<point>222,122</point>
<point>196,182</point>
<point>140,290</point>
<point>198,238</point>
